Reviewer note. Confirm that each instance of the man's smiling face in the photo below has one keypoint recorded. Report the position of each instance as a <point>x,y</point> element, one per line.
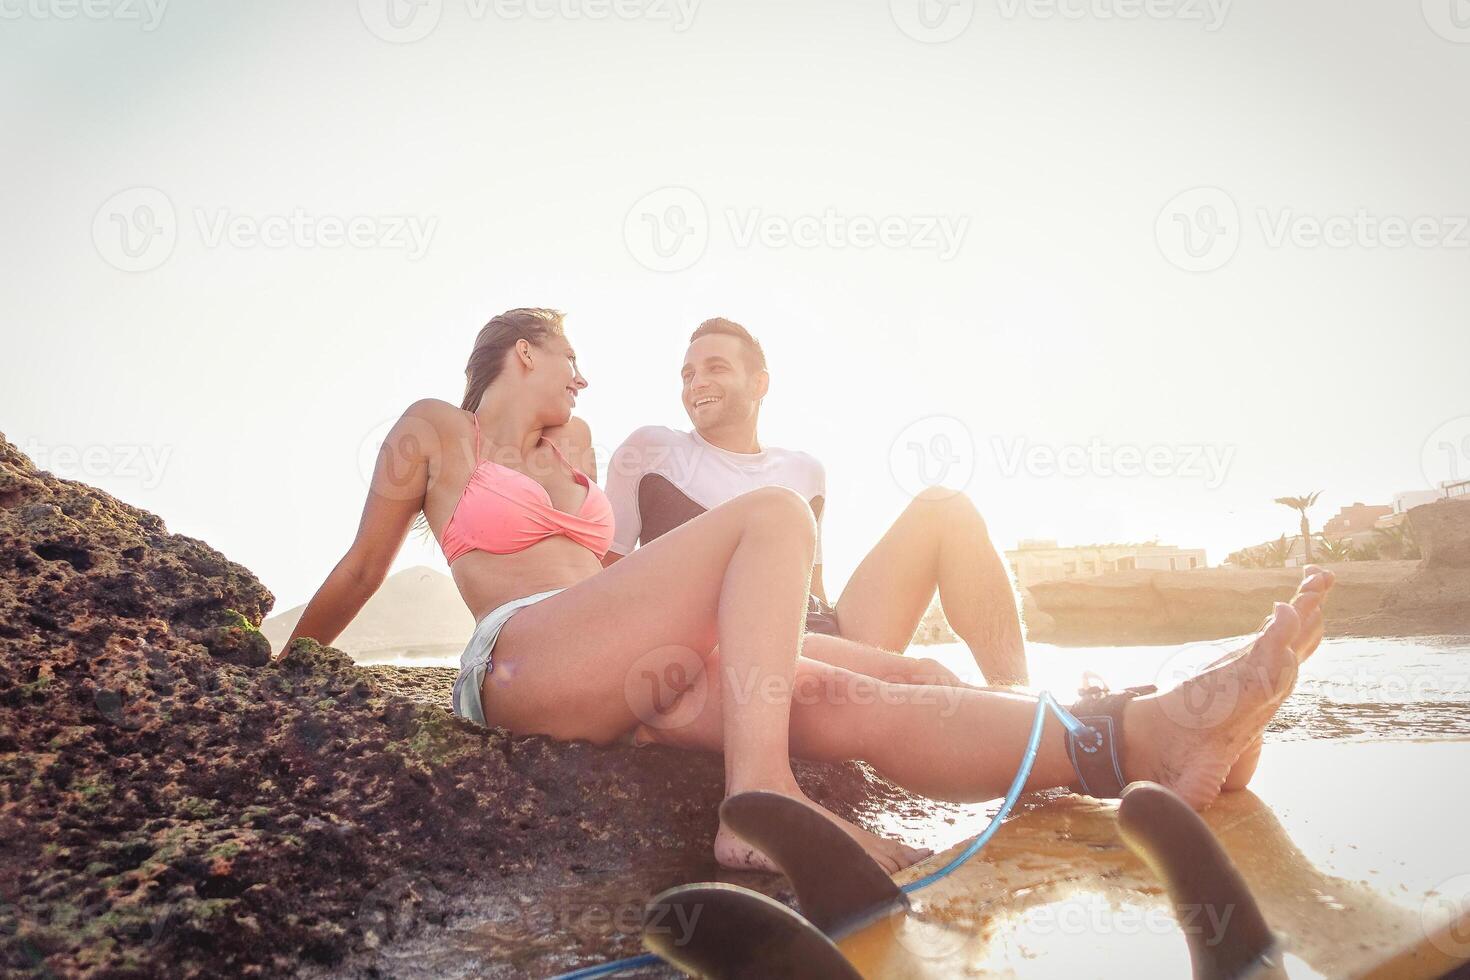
<point>719,387</point>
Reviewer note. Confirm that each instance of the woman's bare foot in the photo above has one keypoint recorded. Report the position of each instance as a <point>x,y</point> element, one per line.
<point>1190,738</point>
<point>733,852</point>
<point>1314,578</point>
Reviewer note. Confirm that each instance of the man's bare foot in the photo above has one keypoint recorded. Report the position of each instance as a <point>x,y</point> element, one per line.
<point>1314,578</point>
<point>1190,738</point>
<point>733,852</point>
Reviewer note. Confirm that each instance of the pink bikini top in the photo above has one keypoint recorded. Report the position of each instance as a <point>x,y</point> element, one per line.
<point>504,511</point>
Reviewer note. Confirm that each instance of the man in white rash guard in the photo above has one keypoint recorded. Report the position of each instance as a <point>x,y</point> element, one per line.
<point>660,477</point>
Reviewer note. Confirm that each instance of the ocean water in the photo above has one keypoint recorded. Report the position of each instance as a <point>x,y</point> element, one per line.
<point>1351,688</point>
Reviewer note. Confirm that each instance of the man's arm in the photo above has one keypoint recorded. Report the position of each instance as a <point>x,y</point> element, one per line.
<point>818,589</point>
<point>624,470</point>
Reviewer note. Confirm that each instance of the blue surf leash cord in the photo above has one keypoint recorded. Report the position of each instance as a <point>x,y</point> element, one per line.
<point>1044,702</point>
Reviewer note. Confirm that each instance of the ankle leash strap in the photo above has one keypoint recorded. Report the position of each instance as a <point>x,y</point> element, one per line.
<point>1097,751</point>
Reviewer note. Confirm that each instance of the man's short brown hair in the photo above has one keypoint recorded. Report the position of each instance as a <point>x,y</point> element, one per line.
<point>755,356</point>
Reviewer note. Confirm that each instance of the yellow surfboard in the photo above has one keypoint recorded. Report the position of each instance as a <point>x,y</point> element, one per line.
<point>1355,854</point>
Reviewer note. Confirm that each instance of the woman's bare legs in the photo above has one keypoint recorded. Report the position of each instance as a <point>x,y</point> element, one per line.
<point>573,666</point>
<point>958,744</point>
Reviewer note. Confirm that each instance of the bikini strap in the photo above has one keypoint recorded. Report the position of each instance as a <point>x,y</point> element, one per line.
<point>476,419</point>
<point>559,455</point>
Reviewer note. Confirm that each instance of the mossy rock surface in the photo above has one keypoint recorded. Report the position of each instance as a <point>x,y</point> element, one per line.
<point>174,803</point>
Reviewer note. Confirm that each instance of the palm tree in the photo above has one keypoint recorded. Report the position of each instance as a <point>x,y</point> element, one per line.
<point>1274,554</point>
<point>1338,550</point>
<point>1397,542</point>
<point>1301,504</point>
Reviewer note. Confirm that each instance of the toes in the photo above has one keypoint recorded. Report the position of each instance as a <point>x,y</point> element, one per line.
<point>1306,603</point>
<point>1273,651</point>
<point>1316,579</point>
<point>1283,625</point>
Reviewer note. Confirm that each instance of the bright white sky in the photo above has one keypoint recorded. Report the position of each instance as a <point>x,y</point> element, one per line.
<point>231,387</point>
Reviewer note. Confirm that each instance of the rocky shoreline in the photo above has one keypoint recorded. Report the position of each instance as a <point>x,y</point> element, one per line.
<point>173,802</point>
<point>1372,598</point>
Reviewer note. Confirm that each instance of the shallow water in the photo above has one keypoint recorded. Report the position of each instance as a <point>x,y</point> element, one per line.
<point>1355,689</point>
<point>1351,688</point>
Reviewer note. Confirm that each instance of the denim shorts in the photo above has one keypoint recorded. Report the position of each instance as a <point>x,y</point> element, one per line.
<point>475,662</point>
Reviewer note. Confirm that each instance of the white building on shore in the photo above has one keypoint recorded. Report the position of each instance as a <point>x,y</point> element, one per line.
<point>1043,561</point>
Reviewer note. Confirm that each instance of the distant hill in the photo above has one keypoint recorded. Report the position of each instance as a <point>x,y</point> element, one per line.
<point>417,613</point>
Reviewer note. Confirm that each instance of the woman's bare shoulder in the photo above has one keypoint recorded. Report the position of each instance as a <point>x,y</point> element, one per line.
<point>435,410</point>
<point>574,433</point>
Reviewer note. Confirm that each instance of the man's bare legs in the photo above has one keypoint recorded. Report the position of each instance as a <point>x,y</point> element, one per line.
<point>939,542</point>
<point>884,665</point>
<point>1314,577</point>
<point>959,744</point>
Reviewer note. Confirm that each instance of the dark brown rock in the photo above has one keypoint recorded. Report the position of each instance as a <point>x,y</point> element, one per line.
<point>171,802</point>
<point>1435,600</point>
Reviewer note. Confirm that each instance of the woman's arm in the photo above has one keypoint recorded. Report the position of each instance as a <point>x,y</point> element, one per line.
<point>396,497</point>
